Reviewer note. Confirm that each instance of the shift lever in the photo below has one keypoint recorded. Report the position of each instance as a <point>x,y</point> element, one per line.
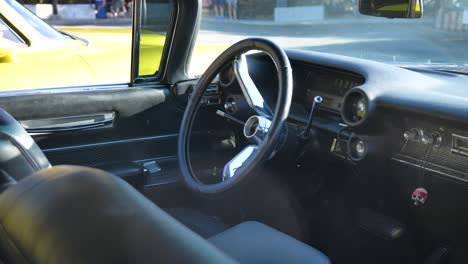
<point>306,132</point>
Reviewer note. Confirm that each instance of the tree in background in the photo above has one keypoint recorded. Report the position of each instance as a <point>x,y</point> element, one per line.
<point>55,7</point>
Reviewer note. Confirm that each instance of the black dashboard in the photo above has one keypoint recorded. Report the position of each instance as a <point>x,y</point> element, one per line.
<point>400,129</point>
<point>414,117</point>
<point>405,128</point>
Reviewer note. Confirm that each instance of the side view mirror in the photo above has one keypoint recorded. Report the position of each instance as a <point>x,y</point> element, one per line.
<point>392,8</point>
<point>6,51</point>
<point>6,55</point>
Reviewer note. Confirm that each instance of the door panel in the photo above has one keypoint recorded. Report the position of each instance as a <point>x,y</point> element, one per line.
<point>144,127</point>
<point>62,102</point>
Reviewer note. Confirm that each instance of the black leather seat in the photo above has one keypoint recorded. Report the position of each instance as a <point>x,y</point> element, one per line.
<point>69,214</point>
<point>254,242</point>
<point>248,242</point>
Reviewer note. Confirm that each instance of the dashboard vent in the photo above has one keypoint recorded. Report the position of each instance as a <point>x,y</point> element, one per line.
<point>211,96</point>
<point>212,89</point>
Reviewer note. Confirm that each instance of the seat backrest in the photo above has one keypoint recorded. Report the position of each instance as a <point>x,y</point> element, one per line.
<point>69,214</point>
<point>19,154</point>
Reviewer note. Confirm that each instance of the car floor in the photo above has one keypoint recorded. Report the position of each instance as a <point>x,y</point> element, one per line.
<point>322,210</point>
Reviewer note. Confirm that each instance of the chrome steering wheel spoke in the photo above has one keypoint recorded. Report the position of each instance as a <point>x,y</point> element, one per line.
<point>249,89</point>
<point>238,161</point>
<point>255,130</point>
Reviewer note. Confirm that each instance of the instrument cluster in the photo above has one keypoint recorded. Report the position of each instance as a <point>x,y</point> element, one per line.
<point>331,85</point>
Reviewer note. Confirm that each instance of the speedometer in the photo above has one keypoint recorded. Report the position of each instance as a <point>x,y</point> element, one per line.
<point>355,107</point>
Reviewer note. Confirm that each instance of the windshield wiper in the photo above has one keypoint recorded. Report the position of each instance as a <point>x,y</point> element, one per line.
<point>444,67</point>
<point>458,71</point>
<point>75,37</point>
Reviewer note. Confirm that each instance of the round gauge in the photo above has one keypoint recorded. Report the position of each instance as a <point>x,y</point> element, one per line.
<point>355,107</point>
<point>226,76</point>
<point>357,148</point>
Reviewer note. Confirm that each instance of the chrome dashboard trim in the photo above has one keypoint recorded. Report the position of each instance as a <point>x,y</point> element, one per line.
<point>434,170</point>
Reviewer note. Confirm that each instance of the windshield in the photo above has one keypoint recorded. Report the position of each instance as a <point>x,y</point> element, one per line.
<point>438,40</point>
<point>28,17</point>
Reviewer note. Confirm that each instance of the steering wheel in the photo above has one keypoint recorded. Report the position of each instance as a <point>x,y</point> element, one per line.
<point>264,130</point>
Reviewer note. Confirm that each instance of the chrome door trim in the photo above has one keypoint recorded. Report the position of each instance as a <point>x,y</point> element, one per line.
<point>68,123</point>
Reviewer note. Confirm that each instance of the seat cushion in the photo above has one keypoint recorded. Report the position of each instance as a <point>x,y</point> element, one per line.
<point>204,225</point>
<point>253,242</point>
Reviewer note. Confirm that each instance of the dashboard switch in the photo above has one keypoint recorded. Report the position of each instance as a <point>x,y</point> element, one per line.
<point>427,139</point>
<point>413,134</point>
<point>433,138</point>
<point>423,136</point>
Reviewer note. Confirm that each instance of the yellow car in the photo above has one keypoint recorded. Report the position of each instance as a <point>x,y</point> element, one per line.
<point>56,58</point>
<point>51,58</point>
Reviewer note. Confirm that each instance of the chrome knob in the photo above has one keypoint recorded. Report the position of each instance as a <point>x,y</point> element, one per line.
<point>409,135</point>
<point>414,134</point>
<point>433,138</point>
<point>360,148</point>
<point>230,105</point>
<point>427,139</point>
<point>437,139</point>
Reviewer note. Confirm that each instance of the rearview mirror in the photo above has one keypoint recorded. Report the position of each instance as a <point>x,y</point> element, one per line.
<point>392,8</point>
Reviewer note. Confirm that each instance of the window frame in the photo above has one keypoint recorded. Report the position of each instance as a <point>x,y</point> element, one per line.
<point>180,41</point>
<point>18,34</point>
<point>135,78</point>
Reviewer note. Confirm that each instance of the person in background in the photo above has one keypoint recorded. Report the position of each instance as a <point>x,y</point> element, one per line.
<point>219,8</point>
<point>129,7</point>
<point>101,9</point>
<point>116,6</point>
<point>232,9</point>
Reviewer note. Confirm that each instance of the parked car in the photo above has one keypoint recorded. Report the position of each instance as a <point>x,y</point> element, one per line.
<point>63,57</point>
<point>53,58</point>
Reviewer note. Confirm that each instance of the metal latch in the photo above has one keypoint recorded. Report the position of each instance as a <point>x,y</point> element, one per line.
<point>151,167</point>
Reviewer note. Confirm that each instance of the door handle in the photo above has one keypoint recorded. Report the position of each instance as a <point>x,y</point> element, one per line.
<point>69,123</point>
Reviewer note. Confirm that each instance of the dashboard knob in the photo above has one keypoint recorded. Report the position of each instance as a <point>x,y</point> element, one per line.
<point>413,134</point>
<point>427,139</point>
<point>433,138</point>
<point>437,139</point>
<point>230,105</point>
<point>360,148</point>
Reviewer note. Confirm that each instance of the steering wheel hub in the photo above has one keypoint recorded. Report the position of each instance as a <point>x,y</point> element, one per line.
<point>256,127</point>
